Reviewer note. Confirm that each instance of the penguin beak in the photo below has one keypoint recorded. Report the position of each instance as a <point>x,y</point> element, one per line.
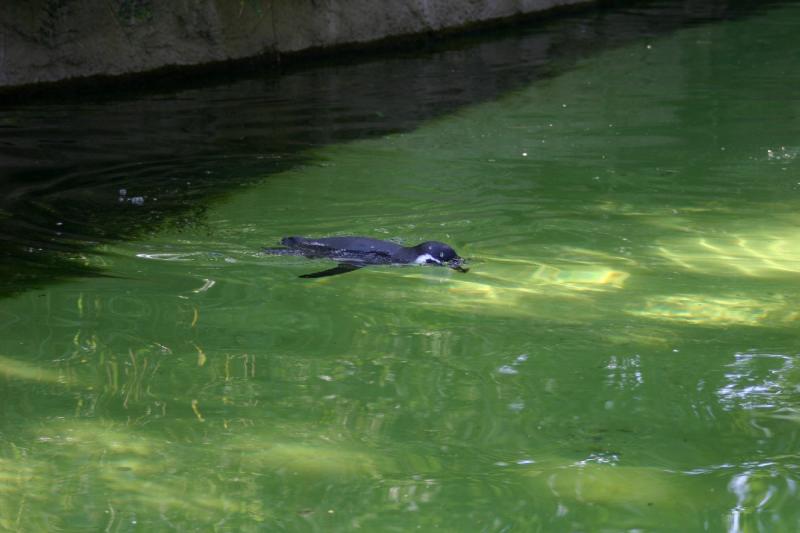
<point>458,264</point>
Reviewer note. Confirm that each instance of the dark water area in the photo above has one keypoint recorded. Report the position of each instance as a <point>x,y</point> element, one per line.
<point>112,166</point>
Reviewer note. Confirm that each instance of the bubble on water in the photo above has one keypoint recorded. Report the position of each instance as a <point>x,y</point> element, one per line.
<point>516,406</point>
<point>603,458</point>
<point>782,154</point>
<point>507,370</point>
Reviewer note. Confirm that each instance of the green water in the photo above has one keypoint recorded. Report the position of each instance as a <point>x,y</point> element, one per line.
<point>622,355</point>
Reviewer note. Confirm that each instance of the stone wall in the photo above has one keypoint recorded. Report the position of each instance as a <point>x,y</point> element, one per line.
<point>45,41</point>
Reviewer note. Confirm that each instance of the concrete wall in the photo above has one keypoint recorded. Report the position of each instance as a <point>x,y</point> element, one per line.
<point>53,40</point>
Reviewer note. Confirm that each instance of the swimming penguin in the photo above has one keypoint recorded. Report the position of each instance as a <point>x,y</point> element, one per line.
<point>353,253</point>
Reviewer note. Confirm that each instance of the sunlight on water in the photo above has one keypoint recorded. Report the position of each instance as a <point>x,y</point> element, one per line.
<point>515,291</point>
<point>304,458</point>
<point>506,286</point>
<point>14,369</point>
<point>582,279</point>
<point>131,468</point>
<point>704,309</point>
<point>772,251</point>
<point>615,485</point>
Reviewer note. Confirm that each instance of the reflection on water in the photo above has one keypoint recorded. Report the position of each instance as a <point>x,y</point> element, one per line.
<point>759,381</point>
<point>760,493</point>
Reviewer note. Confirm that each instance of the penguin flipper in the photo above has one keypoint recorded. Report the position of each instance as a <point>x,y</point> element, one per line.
<point>341,268</point>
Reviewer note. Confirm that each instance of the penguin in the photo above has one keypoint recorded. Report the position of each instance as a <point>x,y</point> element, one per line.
<point>353,253</point>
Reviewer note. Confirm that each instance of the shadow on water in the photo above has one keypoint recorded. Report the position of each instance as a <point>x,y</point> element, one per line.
<point>107,167</point>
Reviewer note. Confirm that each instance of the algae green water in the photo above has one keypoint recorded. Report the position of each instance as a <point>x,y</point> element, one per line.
<point>622,356</point>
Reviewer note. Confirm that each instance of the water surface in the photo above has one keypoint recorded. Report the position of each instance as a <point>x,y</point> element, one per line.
<point>621,356</point>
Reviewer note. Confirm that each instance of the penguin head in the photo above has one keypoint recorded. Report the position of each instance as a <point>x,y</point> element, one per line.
<point>438,253</point>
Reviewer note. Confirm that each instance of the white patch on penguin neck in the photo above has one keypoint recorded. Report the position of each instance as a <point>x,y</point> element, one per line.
<point>424,258</point>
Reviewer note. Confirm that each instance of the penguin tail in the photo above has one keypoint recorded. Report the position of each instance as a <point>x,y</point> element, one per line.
<point>293,241</point>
